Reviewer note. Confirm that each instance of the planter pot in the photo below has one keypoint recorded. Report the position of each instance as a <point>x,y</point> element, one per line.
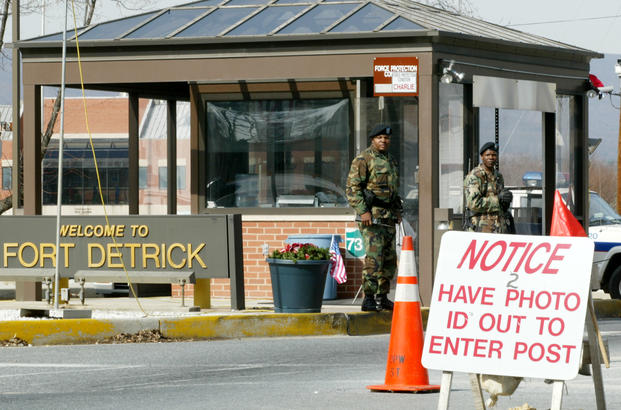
<point>322,241</point>
<point>297,287</point>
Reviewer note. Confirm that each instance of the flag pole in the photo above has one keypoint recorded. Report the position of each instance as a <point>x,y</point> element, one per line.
<point>59,195</point>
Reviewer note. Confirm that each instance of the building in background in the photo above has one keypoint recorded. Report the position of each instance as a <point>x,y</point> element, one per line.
<point>107,122</point>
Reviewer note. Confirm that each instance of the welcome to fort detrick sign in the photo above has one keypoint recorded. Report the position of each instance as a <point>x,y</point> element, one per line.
<point>198,243</point>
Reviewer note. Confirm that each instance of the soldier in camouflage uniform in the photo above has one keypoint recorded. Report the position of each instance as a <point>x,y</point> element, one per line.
<point>487,205</point>
<point>372,190</point>
<point>486,199</point>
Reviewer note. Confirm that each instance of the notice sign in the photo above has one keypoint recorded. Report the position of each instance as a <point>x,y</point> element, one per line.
<point>395,76</point>
<point>510,305</point>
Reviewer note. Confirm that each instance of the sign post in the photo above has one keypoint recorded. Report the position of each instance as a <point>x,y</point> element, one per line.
<point>509,305</point>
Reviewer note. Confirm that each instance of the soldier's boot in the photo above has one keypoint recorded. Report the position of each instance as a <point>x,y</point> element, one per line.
<point>369,304</point>
<point>384,302</point>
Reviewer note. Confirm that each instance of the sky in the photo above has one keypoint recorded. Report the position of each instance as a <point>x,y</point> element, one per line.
<point>570,21</point>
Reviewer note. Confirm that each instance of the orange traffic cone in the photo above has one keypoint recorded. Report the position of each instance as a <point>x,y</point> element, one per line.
<point>404,371</point>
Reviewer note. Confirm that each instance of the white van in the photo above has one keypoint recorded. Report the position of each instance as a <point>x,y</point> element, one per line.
<point>604,229</point>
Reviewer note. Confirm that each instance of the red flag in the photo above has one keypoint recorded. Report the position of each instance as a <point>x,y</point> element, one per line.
<point>564,223</point>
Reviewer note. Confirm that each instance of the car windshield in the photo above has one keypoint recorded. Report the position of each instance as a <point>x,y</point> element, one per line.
<point>600,213</point>
<point>278,190</point>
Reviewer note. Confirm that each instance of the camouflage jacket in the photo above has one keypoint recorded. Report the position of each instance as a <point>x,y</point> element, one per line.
<point>481,189</point>
<point>379,173</point>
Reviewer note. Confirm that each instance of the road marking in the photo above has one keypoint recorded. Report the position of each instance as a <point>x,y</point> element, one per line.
<point>68,365</point>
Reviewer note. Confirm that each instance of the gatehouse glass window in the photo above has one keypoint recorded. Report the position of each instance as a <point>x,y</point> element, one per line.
<point>7,177</point>
<point>451,147</point>
<point>368,18</point>
<point>153,151</point>
<point>277,153</point>
<point>80,182</point>
<point>520,160</point>
<point>180,177</point>
<point>318,19</point>
<point>163,177</point>
<point>162,173</point>
<point>401,114</point>
<point>214,23</point>
<point>142,177</point>
<point>520,146</point>
<point>565,156</point>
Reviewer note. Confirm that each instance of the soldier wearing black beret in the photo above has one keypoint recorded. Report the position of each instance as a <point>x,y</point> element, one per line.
<point>487,200</point>
<point>372,190</point>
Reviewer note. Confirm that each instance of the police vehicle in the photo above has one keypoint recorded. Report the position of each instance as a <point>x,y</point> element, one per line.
<point>604,229</point>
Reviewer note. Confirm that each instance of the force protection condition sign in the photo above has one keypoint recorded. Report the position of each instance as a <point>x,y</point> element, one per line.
<point>395,76</point>
<point>509,305</point>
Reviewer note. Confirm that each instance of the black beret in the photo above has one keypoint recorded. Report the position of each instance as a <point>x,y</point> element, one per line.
<point>380,129</point>
<point>486,146</point>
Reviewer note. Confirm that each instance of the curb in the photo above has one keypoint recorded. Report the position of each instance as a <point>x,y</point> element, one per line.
<point>265,325</point>
<point>81,331</point>
<point>71,331</point>
<point>229,326</point>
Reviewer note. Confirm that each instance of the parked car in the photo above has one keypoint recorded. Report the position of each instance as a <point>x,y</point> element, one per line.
<point>280,190</point>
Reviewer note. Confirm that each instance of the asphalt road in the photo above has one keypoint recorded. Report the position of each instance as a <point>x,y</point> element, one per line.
<point>278,373</point>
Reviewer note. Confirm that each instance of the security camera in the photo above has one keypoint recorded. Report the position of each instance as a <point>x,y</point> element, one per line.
<point>618,68</point>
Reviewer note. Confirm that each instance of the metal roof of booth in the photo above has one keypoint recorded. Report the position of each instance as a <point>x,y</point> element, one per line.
<point>227,19</point>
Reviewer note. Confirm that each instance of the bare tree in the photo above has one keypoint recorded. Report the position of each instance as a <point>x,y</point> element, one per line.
<point>5,15</point>
<point>464,7</point>
<point>601,172</point>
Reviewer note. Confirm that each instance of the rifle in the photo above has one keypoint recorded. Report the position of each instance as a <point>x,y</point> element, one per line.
<point>374,221</point>
<point>371,200</point>
<point>468,225</point>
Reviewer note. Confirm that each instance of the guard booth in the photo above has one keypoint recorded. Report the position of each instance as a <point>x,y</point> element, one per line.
<point>282,96</point>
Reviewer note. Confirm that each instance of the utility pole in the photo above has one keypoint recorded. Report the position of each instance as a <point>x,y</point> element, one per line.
<point>618,72</point>
<point>16,90</point>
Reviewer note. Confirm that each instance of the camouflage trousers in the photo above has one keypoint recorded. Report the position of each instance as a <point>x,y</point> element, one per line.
<point>489,223</point>
<point>380,262</point>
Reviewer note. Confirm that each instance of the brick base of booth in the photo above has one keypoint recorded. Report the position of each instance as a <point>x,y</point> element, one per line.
<point>257,283</point>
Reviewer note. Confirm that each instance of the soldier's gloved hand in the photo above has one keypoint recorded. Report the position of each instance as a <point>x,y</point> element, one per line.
<point>505,197</point>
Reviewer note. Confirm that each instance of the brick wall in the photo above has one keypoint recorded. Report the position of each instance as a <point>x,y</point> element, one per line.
<point>257,284</point>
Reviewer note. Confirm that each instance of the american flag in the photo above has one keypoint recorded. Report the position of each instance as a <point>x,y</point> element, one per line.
<point>337,265</point>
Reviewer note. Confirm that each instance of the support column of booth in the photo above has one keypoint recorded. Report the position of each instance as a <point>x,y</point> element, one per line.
<point>549,168</point>
<point>171,160</point>
<point>133,154</point>
<point>428,172</point>
<point>579,136</point>
<point>202,287</point>
<point>29,291</point>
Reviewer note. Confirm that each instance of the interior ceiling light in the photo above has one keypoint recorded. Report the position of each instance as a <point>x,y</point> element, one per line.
<point>449,75</point>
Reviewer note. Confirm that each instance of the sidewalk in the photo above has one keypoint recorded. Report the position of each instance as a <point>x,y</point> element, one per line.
<point>112,316</point>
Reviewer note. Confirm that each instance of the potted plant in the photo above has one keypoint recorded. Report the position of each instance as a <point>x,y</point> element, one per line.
<point>298,273</point>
